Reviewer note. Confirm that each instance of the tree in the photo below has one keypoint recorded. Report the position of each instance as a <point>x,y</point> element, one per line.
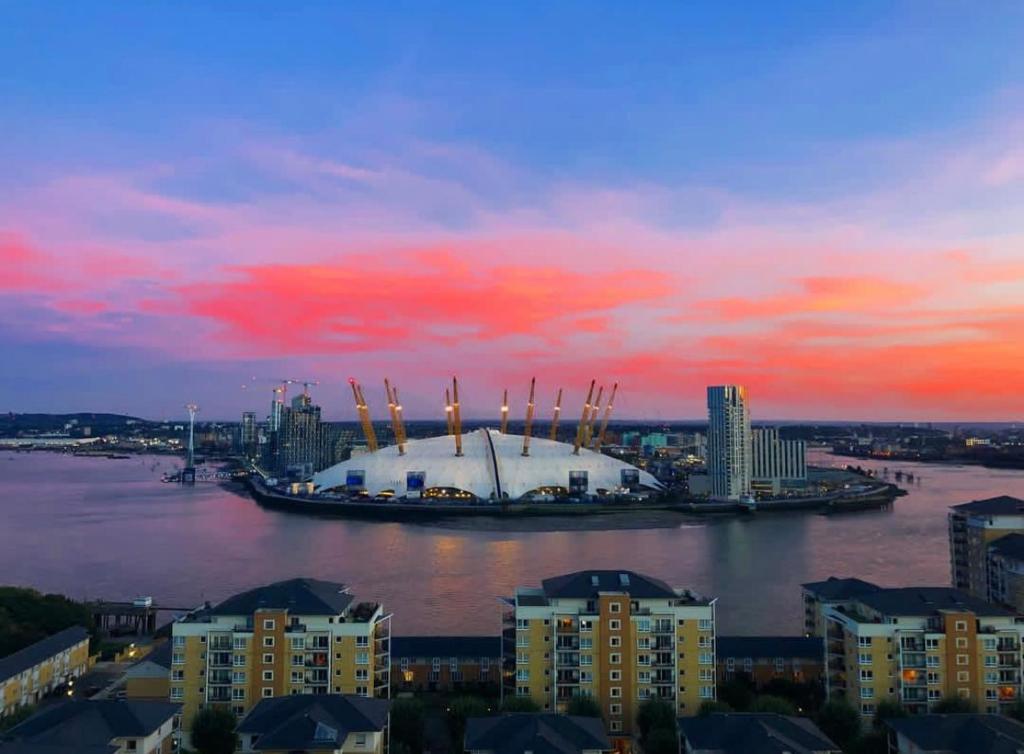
<point>460,709</point>
<point>872,742</point>
<point>583,706</point>
<point>662,741</point>
<point>887,709</point>
<point>406,725</point>
<point>653,714</point>
<point>1016,711</point>
<point>839,721</point>
<point>20,715</point>
<point>27,616</point>
<point>737,693</point>
<point>213,731</point>
<point>952,704</point>
<point>774,704</point>
<point>519,704</point>
<point>711,706</point>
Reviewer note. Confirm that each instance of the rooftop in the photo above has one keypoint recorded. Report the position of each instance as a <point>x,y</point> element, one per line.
<point>928,600</point>
<point>803,647</point>
<point>834,588</point>
<point>754,733</point>
<point>316,721</point>
<point>445,646</point>
<point>588,584</point>
<point>93,722</point>
<point>1009,546</point>
<point>1001,505</point>
<point>297,596</point>
<point>961,734</point>
<point>541,733</point>
<point>33,654</point>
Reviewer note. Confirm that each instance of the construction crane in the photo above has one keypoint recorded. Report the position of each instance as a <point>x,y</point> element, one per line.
<point>456,417</point>
<point>588,430</point>
<point>364,415</point>
<point>604,419</point>
<point>554,419</point>
<point>448,410</point>
<point>583,420</point>
<point>529,418</point>
<point>504,413</point>
<point>395,423</point>
<point>307,384</point>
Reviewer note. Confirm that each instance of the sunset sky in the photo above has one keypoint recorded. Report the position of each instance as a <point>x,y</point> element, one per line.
<point>821,201</point>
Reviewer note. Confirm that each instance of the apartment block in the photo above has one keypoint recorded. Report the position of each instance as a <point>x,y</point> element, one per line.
<point>29,674</point>
<point>832,592</point>
<point>446,663</point>
<point>1006,571</point>
<point>300,636</point>
<point>776,463</point>
<point>919,645</point>
<point>617,636</point>
<point>972,528</point>
<point>763,659</point>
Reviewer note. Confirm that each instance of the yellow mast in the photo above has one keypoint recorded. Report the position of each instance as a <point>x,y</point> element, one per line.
<point>554,419</point>
<point>448,411</point>
<point>529,418</point>
<point>456,416</point>
<point>364,416</point>
<point>604,419</point>
<point>392,409</point>
<point>583,419</point>
<point>594,410</point>
<point>398,412</point>
<point>504,413</point>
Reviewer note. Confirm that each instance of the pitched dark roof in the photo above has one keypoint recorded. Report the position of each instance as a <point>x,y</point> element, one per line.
<point>834,588</point>
<point>445,646</point>
<point>541,733</point>
<point>587,584</point>
<point>21,747</point>
<point>1009,546</point>
<point>754,733</point>
<point>1001,505</point>
<point>298,596</point>
<point>803,647</point>
<point>33,654</point>
<point>93,722</point>
<point>927,600</point>
<point>313,720</point>
<point>962,734</point>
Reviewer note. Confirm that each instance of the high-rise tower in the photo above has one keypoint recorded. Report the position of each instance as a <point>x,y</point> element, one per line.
<point>729,442</point>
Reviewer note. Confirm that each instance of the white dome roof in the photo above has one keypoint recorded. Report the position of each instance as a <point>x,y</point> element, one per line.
<point>492,464</point>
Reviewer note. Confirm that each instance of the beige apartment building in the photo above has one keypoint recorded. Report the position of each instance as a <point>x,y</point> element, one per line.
<point>300,636</point>
<point>973,527</point>
<point>617,636</point>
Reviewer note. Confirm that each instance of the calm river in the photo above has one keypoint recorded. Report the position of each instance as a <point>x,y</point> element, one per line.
<point>109,528</point>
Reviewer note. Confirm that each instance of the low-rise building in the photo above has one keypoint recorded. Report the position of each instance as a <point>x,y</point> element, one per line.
<point>300,636</point>
<point>29,674</point>
<point>331,724</point>
<point>746,732</point>
<point>972,528</point>
<point>617,636</point>
<point>80,725</point>
<point>446,663</point>
<point>763,659</point>
<point>150,677</point>
<point>955,734</point>
<point>919,645</point>
<point>541,732</point>
<point>832,592</point>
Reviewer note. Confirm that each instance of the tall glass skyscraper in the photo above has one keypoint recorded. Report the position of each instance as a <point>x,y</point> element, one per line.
<point>729,442</point>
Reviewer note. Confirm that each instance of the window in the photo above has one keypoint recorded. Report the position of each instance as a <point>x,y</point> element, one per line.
<point>615,624</point>
<point>239,642</point>
<point>748,664</point>
<point>522,690</point>
<point>522,623</point>
<point>961,625</point>
<point>707,692</point>
<point>586,643</point>
<point>730,663</point>
<point>614,607</point>
<point>615,658</point>
<point>362,658</point>
<point>962,676</point>
<point>362,641</point>
<point>523,674</point>
<point>932,661</point>
<point>963,660</point>
<point>644,676</point>
<point>179,641</point>
<point>178,658</point>
<point>931,644</point>
<point>934,679</point>
<point>297,676</point>
<point>706,658</point>
<point>615,726</point>
<point>177,675</point>
<point>866,692</point>
<point>267,692</point>
<point>298,643</point>
<point>991,676</point>
<point>297,661</point>
<point>864,658</point>
<point>934,695</point>
<point>707,674</point>
<point>362,691</point>
<point>177,693</point>
<point>614,641</point>
<point>362,674</point>
<point>704,641</point>
<point>705,624</point>
<point>615,692</point>
<point>268,675</point>
<point>991,694</point>
<point>780,664</point>
<point>615,709</point>
<point>867,709</point>
<point>268,641</point>
<point>961,642</point>
<point>867,675</point>
<point>643,625</point>
<point>989,643</point>
<point>238,694</point>
<point>268,624</point>
<point>586,660</point>
<point>643,693</point>
<point>268,659</point>
<point>990,661</point>
<point>864,641</point>
<point>644,642</point>
<point>586,625</point>
<point>586,676</point>
<point>522,640</point>
<point>238,676</point>
<point>615,675</point>
<point>361,740</point>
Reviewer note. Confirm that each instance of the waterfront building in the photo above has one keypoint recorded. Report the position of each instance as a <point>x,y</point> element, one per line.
<point>300,636</point>
<point>955,734</point>
<point>763,659</point>
<point>446,663</point>
<point>150,677</point>
<point>919,645</point>
<point>832,592</point>
<point>776,463</point>
<point>972,528</point>
<point>616,636</point>
<point>1006,571</point>
<point>541,732</point>
<point>85,726</point>
<point>746,732</point>
<point>334,724</point>
<point>29,674</point>
<point>729,442</point>
<point>248,436</point>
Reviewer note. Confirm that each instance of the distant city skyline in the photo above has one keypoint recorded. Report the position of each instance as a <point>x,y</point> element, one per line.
<point>823,204</point>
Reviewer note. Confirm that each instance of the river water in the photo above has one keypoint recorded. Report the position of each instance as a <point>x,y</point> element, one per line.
<point>107,528</point>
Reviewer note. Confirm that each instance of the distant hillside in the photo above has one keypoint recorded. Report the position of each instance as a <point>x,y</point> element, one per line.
<point>14,424</point>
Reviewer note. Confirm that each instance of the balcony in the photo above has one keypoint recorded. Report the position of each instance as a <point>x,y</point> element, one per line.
<point>220,642</point>
<point>914,660</point>
<point>220,660</point>
<point>219,694</point>
<point>913,679</point>
<point>914,694</point>
<point>567,677</point>
<point>662,627</point>
<point>567,626</point>
<point>567,643</point>
<point>316,676</point>
<point>219,677</point>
